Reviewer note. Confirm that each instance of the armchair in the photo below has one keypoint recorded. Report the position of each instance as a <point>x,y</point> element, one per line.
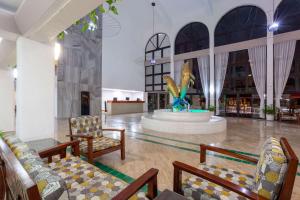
<point>274,178</point>
<point>88,130</point>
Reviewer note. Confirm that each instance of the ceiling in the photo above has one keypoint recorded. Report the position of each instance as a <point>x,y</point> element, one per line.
<point>10,5</point>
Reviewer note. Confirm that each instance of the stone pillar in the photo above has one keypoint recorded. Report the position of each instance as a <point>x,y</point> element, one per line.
<point>270,64</point>
<point>7,113</point>
<point>35,90</point>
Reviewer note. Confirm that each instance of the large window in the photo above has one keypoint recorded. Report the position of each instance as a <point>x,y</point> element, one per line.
<point>288,15</point>
<point>241,24</point>
<point>157,62</point>
<point>239,96</point>
<point>192,37</point>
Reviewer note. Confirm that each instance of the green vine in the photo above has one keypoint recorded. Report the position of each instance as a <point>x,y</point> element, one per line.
<point>111,7</point>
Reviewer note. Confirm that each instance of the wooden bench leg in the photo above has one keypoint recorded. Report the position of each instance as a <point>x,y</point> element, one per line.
<point>123,152</point>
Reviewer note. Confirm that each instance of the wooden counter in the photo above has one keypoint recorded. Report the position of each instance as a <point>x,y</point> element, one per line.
<point>124,107</point>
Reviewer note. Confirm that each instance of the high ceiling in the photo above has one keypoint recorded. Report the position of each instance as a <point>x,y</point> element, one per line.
<point>10,5</point>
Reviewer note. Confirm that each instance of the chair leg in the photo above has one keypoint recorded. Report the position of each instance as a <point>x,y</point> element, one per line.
<point>123,152</point>
<point>90,159</point>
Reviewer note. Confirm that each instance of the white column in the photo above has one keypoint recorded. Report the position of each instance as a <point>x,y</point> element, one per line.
<point>172,67</point>
<point>270,65</point>
<point>7,99</point>
<point>212,69</point>
<point>35,90</point>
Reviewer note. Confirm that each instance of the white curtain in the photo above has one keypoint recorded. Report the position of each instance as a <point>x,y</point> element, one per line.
<point>258,63</point>
<point>221,61</point>
<point>177,71</point>
<point>283,59</point>
<point>203,65</point>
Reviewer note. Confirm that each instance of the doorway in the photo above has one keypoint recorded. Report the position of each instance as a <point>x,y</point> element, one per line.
<point>158,100</point>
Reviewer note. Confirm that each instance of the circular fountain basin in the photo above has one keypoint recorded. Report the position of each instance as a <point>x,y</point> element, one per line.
<point>192,122</point>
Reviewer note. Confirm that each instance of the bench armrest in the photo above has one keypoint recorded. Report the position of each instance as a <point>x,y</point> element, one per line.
<point>179,167</point>
<point>60,150</point>
<point>204,148</point>
<point>149,177</point>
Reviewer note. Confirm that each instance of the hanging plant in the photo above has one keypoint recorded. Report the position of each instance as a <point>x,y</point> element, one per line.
<point>111,7</point>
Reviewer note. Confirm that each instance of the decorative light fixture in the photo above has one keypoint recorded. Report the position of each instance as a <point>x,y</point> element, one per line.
<point>57,51</point>
<point>275,25</point>
<point>15,73</point>
<point>153,61</point>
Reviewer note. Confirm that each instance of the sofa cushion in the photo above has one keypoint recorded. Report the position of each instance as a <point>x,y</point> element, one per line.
<point>85,181</point>
<point>99,143</point>
<point>200,189</point>
<point>271,169</point>
<point>50,185</point>
<point>237,177</point>
<point>87,125</point>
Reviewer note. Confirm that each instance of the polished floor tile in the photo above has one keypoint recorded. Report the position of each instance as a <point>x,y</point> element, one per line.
<point>146,149</point>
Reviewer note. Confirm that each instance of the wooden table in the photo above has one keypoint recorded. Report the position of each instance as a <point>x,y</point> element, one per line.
<point>169,195</point>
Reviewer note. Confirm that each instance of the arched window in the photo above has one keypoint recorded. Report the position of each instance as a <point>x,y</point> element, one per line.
<point>241,24</point>
<point>239,96</point>
<point>287,15</point>
<point>157,62</point>
<point>192,37</point>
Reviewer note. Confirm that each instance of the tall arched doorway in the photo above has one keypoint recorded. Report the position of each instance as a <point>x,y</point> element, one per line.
<point>157,65</point>
<point>194,37</point>
<point>235,75</point>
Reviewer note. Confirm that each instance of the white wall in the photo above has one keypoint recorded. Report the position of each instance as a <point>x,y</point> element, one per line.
<point>35,90</point>
<point>7,99</point>
<point>123,55</point>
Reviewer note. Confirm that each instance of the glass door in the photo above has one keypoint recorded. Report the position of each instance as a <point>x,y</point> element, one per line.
<point>152,101</point>
<point>163,100</point>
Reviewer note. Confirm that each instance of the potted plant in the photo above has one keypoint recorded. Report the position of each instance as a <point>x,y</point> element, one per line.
<point>270,112</point>
<point>212,108</point>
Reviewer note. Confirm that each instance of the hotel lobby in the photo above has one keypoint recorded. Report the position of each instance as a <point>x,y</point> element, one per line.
<point>150,99</point>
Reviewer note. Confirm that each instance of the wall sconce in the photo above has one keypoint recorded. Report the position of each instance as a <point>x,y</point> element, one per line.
<point>57,51</point>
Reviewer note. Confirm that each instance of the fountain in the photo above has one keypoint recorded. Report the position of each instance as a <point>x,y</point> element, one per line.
<point>181,119</point>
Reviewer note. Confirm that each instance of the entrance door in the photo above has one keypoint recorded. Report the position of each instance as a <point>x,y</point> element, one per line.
<point>152,101</point>
<point>163,100</point>
<point>158,100</point>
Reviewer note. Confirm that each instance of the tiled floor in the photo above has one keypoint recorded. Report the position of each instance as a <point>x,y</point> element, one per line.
<point>146,149</point>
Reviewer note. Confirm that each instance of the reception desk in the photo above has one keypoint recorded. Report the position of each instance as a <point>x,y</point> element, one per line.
<point>124,107</point>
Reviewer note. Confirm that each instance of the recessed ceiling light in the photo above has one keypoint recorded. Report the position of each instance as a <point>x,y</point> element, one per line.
<point>1,39</point>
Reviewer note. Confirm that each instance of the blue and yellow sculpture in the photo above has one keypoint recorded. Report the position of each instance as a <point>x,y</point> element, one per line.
<point>180,102</point>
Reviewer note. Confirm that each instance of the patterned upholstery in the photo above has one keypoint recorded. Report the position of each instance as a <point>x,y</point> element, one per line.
<point>87,125</point>
<point>50,185</point>
<point>84,181</point>
<point>200,189</point>
<point>99,143</point>
<point>271,169</point>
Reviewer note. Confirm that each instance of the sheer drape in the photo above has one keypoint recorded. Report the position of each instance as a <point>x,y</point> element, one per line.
<point>221,61</point>
<point>258,63</point>
<point>177,71</point>
<point>203,65</point>
<point>283,58</point>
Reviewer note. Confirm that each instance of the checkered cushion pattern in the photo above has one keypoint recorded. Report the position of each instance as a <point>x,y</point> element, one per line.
<point>84,181</point>
<point>99,143</point>
<point>271,169</point>
<point>50,185</point>
<point>200,189</point>
<point>86,125</point>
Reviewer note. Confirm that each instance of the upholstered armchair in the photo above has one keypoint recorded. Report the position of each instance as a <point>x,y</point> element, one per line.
<point>88,130</point>
<point>274,178</point>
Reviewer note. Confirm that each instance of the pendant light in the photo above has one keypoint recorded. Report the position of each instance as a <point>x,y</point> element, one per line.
<point>153,61</point>
<point>275,25</point>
